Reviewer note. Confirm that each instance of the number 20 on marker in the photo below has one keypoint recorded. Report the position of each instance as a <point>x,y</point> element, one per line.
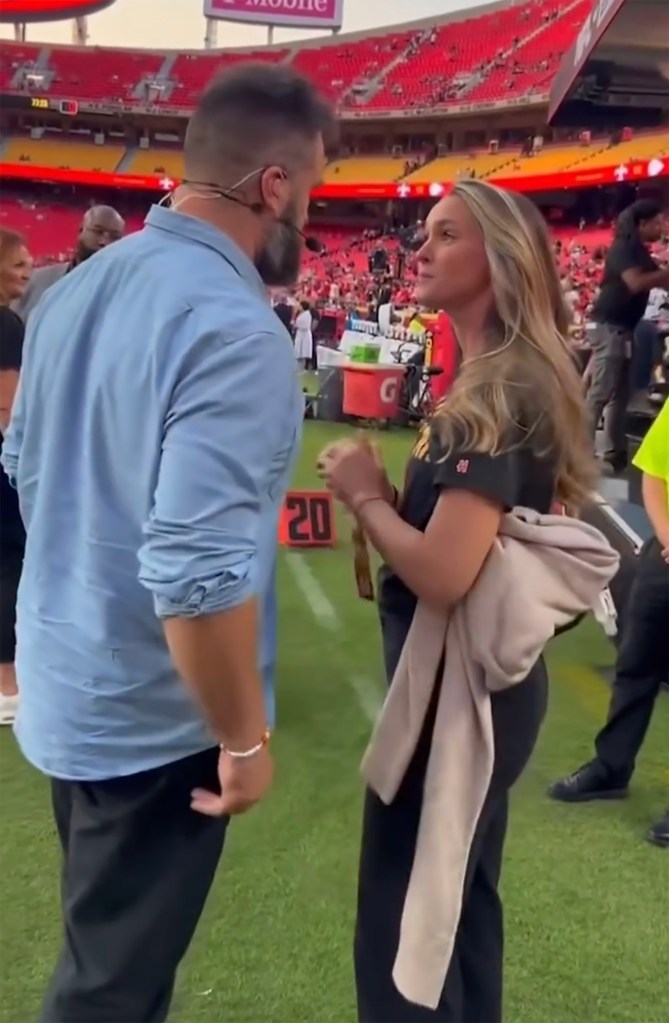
<point>307,520</point>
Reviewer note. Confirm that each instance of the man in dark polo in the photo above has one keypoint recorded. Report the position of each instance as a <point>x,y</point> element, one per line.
<point>630,274</point>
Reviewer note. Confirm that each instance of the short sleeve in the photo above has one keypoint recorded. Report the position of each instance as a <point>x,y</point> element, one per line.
<point>653,454</point>
<point>11,340</point>
<point>496,477</point>
<point>624,256</point>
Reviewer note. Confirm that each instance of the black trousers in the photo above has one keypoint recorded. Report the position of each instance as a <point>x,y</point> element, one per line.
<point>473,989</point>
<point>138,864</point>
<point>641,667</point>
<point>11,564</point>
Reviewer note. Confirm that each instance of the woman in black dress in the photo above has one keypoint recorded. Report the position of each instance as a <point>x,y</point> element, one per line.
<point>512,432</point>
<point>15,270</point>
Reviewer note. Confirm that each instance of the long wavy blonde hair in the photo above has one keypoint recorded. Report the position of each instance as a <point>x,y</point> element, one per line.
<point>526,388</point>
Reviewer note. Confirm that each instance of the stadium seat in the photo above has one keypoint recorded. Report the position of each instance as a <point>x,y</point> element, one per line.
<point>549,161</point>
<point>485,57</point>
<point>365,168</point>
<point>14,56</point>
<point>41,225</point>
<point>57,153</point>
<point>455,63</point>
<point>191,72</point>
<point>49,228</point>
<point>641,147</point>
<point>456,165</point>
<point>96,73</point>
<point>337,67</point>
<point>157,161</point>
<point>533,61</point>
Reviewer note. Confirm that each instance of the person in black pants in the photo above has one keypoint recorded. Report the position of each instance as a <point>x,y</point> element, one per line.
<point>643,657</point>
<point>512,431</point>
<point>15,270</point>
<point>630,273</point>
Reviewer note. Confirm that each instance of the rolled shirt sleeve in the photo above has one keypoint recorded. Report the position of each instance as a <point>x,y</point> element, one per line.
<point>228,431</point>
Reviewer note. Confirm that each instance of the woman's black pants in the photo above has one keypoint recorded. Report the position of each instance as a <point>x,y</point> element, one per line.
<point>472,991</point>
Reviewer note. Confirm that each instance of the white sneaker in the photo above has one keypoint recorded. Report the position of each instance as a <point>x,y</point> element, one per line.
<point>8,708</point>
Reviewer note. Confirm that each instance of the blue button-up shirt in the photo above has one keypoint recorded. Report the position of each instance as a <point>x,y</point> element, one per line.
<point>152,439</point>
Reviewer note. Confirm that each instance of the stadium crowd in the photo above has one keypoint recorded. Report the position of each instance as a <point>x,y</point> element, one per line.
<point>342,275</point>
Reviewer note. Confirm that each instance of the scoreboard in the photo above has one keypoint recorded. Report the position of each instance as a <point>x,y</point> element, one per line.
<point>37,103</point>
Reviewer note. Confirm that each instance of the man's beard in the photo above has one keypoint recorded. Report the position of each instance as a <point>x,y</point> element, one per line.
<point>82,253</point>
<point>278,262</point>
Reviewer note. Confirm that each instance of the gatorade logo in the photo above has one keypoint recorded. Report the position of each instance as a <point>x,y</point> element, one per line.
<point>389,391</point>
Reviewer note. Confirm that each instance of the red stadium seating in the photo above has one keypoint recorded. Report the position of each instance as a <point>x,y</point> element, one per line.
<point>49,228</point>
<point>534,63</point>
<point>337,68</point>
<point>191,71</point>
<point>12,57</point>
<point>485,57</point>
<point>95,73</point>
<point>441,71</point>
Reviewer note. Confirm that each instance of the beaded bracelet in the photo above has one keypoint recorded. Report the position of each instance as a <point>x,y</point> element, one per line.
<point>247,753</point>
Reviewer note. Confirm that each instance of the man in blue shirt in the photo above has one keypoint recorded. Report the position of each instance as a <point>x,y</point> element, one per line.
<point>151,444</point>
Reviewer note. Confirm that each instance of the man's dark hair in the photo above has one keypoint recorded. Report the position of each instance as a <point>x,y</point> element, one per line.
<point>627,225</point>
<point>254,115</point>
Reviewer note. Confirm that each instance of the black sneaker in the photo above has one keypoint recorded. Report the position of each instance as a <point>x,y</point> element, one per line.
<point>659,833</point>
<point>590,782</point>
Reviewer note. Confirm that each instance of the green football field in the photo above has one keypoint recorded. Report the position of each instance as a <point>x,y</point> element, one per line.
<point>587,899</point>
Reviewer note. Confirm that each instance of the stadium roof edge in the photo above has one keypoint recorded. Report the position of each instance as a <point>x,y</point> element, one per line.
<point>453,17</point>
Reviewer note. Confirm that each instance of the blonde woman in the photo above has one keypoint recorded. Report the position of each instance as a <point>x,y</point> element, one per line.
<point>15,271</point>
<point>512,432</point>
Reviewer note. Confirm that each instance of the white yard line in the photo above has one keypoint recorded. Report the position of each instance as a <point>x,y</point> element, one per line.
<point>367,694</point>
<point>315,596</point>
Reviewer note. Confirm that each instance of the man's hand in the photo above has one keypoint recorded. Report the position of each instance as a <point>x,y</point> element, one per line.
<point>243,781</point>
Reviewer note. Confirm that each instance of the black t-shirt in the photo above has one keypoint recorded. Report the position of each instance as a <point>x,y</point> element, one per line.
<point>516,478</point>
<point>12,536</point>
<point>11,339</point>
<point>615,303</point>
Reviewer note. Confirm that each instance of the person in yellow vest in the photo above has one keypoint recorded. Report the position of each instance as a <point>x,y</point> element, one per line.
<point>643,657</point>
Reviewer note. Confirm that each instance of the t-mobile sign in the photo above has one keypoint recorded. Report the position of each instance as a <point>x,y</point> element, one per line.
<point>296,13</point>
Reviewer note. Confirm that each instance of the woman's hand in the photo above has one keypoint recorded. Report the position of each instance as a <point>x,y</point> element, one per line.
<point>352,471</point>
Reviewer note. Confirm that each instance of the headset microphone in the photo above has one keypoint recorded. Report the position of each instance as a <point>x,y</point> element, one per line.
<point>310,243</point>
<point>313,244</point>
